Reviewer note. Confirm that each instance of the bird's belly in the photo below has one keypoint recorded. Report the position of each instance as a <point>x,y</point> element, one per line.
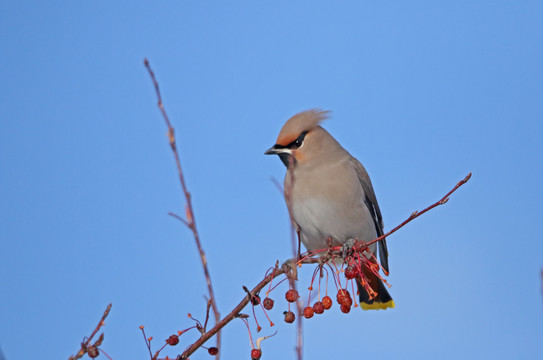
<point>321,220</point>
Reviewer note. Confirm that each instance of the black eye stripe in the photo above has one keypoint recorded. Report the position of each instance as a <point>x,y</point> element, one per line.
<point>298,142</point>
<point>293,145</point>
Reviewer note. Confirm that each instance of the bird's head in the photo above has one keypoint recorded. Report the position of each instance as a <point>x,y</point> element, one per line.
<point>300,139</point>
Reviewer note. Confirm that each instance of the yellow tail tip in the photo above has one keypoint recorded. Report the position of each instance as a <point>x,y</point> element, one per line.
<point>378,305</point>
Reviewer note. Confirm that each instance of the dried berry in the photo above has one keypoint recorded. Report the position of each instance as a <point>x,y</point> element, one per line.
<point>289,317</point>
<point>93,351</point>
<point>308,312</point>
<point>255,300</point>
<point>173,340</point>
<point>292,295</point>
<point>347,301</point>
<point>318,307</point>
<point>341,294</point>
<point>213,351</point>
<point>351,272</point>
<point>256,354</point>
<point>268,303</point>
<point>327,302</point>
<point>345,309</point>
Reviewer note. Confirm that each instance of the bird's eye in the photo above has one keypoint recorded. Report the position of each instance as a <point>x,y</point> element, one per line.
<point>299,141</point>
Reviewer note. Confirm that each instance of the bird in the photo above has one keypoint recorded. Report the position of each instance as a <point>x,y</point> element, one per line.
<point>330,197</point>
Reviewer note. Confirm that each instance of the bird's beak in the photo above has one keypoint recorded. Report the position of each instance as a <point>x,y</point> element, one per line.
<point>276,150</point>
<point>284,153</point>
<point>271,151</point>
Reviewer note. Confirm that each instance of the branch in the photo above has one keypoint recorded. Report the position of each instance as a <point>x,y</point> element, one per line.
<point>289,268</point>
<point>290,265</point>
<point>85,344</point>
<point>190,222</point>
<point>294,231</point>
<point>232,315</point>
<point>416,214</point>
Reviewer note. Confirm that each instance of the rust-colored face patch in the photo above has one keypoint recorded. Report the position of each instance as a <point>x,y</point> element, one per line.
<point>298,155</point>
<point>286,139</point>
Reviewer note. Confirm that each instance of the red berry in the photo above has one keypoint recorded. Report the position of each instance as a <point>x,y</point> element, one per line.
<point>308,312</point>
<point>93,351</point>
<point>351,272</point>
<point>292,295</point>
<point>213,351</point>
<point>256,354</point>
<point>327,302</point>
<point>173,340</point>
<point>289,317</point>
<point>342,293</point>
<point>347,301</point>
<point>345,309</point>
<point>268,303</point>
<point>318,307</point>
<point>255,300</point>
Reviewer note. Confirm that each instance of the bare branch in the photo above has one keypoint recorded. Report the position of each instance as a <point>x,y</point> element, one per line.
<point>416,214</point>
<point>85,344</point>
<point>294,229</point>
<point>289,268</point>
<point>286,268</point>
<point>191,221</point>
<point>174,215</point>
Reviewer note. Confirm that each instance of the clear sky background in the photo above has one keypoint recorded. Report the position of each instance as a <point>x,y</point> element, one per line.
<point>421,92</point>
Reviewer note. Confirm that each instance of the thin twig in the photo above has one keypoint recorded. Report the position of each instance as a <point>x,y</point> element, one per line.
<point>294,229</point>
<point>147,342</point>
<point>299,325</point>
<point>174,215</point>
<point>416,214</point>
<point>299,306</point>
<point>232,315</point>
<point>207,314</point>
<point>85,344</point>
<point>295,255</point>
<point>278,185</point>
<point>190,222</point>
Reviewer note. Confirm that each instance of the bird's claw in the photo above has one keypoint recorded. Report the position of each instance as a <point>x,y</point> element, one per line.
<point>347,247</point>
<point>290,267</point>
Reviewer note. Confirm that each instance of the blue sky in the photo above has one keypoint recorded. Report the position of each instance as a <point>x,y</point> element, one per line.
<point>421,92</point>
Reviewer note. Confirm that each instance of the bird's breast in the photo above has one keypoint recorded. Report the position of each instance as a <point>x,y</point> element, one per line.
<point>328,207</point>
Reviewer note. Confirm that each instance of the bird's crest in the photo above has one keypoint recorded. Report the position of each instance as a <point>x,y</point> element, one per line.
<point>303,121</point>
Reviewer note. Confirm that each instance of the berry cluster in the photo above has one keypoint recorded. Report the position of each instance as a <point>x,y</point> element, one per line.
<point>344,299</point>
<point>352,272</point>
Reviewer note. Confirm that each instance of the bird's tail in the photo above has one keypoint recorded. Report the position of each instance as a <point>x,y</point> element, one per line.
<point>381,301</point>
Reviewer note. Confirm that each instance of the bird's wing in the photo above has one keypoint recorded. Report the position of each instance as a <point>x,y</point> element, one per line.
<point>371,202</point>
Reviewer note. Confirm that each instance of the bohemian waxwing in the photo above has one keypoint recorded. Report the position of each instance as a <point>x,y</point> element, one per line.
<point>329,195</point>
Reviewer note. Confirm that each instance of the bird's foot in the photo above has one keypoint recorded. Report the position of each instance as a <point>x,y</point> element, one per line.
<point>291,269</point>
<point>347,247</point>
